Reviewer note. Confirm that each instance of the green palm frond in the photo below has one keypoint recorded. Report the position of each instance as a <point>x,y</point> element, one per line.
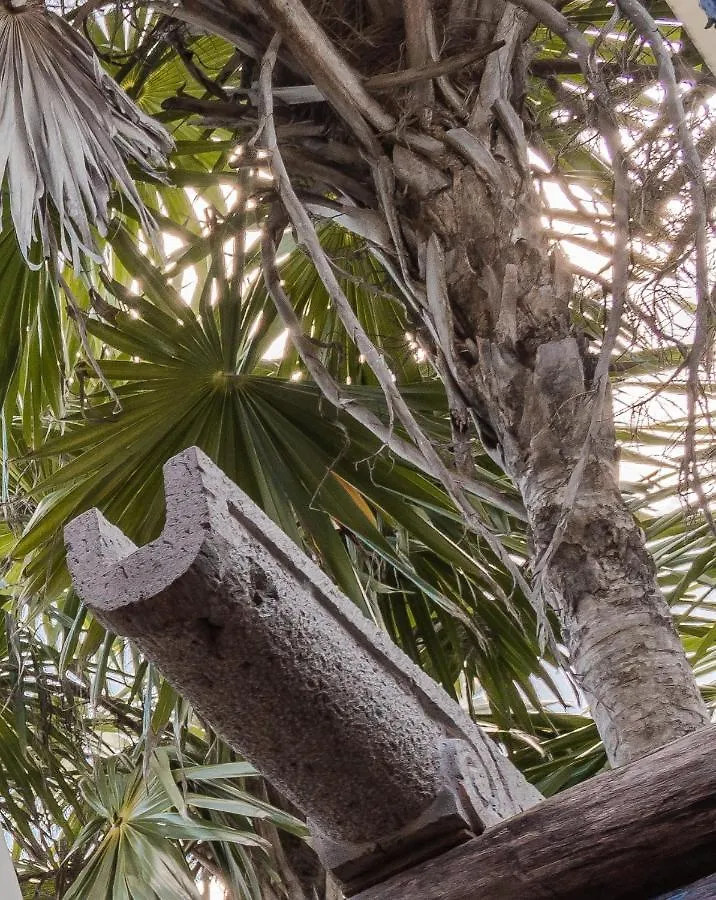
<point>385,533</point>
<point>184,345</point>
<point>137,820</point>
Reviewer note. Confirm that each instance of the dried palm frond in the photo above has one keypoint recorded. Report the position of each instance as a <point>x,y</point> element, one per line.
<point>66,131</point>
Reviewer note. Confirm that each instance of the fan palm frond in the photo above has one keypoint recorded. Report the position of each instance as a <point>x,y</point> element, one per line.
<point>68,130</point>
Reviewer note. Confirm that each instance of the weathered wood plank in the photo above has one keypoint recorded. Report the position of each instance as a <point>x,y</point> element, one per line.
<point>703,889</point>
<point>629,834</point>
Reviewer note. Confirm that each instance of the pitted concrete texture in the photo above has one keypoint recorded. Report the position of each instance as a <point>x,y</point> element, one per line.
<point>245,626</point>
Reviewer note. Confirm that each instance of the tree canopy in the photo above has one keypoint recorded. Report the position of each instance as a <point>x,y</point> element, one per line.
<point>307,375</point>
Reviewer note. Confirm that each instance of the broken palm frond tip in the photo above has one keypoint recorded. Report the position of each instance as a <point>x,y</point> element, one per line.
<point>66,132</point>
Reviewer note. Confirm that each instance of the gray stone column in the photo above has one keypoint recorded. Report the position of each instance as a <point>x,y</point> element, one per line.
<point>385,766</point>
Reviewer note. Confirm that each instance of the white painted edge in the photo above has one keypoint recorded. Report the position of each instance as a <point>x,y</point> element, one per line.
<point>9,887</point>
<point>693,18</point>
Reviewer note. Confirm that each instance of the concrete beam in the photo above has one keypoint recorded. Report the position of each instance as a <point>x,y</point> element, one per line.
<point>385,766</point>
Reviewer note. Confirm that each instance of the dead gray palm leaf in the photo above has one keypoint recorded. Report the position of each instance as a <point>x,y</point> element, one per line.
<point>67,130</point>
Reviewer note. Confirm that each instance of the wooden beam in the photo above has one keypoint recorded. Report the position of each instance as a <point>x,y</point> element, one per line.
<point>703,889</point>
<point>636,832</point>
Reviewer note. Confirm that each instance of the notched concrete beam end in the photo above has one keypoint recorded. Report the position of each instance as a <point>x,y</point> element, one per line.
<point>385,766</point>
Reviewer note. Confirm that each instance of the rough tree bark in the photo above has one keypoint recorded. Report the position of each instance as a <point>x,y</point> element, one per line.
<point>492,307</point>
<point>524,370</point>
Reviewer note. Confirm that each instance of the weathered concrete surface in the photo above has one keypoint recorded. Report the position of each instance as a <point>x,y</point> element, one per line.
<point>293,676</point>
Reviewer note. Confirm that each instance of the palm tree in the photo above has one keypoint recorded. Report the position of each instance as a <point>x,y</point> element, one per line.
<point>68,129</point>
<point>365,185</point>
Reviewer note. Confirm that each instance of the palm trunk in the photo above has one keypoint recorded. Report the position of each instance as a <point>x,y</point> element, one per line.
<point>527,377</point>
<point>301,875</point>
<point>495,315</point>
<point>617,626</point>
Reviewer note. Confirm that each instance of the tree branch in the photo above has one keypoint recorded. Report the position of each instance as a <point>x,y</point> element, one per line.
<point>418,17</point>
<point>388,81</point>
<point>396,404</point>
<point>496,77</point>
<point>329,71</point>
<point>702,348</point>
<point>577,43</point>
<point>343,401</point>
